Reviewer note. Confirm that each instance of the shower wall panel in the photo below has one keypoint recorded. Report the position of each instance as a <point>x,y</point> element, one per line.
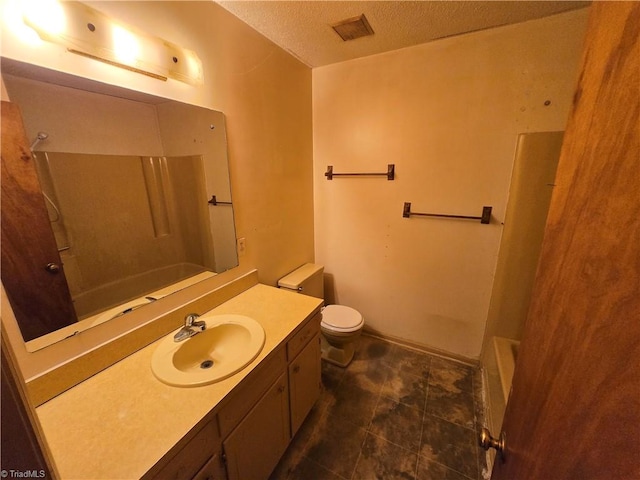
<point>105,248</point>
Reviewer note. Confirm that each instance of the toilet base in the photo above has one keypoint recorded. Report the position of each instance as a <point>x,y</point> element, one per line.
<point>338,356</point>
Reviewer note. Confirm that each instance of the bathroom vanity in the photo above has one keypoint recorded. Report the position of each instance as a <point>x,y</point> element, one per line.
<point>124,423</point>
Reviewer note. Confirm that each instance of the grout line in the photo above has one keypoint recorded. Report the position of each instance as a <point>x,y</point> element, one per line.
<point>324,467</point>
<point>452,469</point>
<point>452,423</point>
<point>355,467</point>
<point>391,443</point>
<point>375,409</point>
<point>367,428</point>
<point>424,414</point>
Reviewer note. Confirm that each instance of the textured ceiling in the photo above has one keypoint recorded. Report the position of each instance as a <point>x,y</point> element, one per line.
<point>303,28</point>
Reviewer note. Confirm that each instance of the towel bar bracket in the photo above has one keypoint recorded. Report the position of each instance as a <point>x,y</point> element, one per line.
<point>215,202</point>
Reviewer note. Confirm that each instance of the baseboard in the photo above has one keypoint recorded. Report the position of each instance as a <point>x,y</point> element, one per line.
<point>422,348</point>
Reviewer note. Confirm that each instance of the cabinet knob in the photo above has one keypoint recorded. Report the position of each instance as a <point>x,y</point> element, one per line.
<point>296,368</point>
<point>281,389</point>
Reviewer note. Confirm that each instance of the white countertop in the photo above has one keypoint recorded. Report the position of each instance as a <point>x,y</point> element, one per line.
<point>120,422</point>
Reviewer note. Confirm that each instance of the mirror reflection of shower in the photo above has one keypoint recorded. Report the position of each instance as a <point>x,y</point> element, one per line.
<point>39,138</point>
<point>83,118</point>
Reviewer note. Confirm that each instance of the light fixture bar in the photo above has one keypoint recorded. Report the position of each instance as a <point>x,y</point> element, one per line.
<point>120,65</point>
<point>85,31</point>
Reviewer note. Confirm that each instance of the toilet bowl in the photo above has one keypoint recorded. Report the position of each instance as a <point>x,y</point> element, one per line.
<point>340,326</point>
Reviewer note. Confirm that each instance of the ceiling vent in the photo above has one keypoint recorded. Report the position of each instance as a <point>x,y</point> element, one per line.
<point>353,28</point>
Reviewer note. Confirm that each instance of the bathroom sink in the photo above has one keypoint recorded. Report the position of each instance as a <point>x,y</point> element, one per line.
<point>229,343</point>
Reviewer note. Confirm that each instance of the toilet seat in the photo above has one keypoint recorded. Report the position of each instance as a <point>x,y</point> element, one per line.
<point>340,318</point>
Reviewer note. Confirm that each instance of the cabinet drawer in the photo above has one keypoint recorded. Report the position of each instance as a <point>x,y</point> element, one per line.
<point>246,395</point>
<point>306,333</point>
<point>193,456</point>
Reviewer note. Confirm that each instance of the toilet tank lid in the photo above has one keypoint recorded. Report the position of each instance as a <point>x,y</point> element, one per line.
<point>295,279</point>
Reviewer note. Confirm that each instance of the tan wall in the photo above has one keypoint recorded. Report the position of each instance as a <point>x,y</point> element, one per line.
<point>447,113</point>
<point>265,94</point>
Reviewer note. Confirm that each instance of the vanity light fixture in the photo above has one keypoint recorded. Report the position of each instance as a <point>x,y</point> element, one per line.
<point>90,33</point>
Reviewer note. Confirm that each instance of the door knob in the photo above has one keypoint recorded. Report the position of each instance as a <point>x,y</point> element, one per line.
<point>52,268</point>
<point>487,441</point>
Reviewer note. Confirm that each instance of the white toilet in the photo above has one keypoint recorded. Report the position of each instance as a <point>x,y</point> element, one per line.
<point>340,325</point>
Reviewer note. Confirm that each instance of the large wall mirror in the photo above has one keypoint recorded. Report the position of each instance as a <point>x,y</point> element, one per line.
<point>137,197</point>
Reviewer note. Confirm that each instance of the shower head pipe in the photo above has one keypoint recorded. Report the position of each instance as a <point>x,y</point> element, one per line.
<point>39,138</point>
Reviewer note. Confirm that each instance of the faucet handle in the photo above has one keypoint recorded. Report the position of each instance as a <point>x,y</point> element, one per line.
<point>189,319</point>
<point>200,325</point>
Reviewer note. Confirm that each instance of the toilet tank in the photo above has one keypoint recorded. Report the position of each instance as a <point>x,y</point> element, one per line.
<point>306,279</point>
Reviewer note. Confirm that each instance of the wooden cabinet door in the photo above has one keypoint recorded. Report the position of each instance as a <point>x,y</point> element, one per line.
<point>574,411</point>
<point>304,382</point>
<point>39,296</point>
<point>254,448</point>
<point>197,459</point>
<point>213,470</point>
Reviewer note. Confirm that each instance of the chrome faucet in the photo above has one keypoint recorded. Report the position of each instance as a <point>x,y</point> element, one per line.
<point>191,327</point>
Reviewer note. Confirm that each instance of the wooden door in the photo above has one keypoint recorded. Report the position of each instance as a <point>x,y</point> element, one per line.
<point>40,297</point>
<point>574,410</point>
<point>21,440</point>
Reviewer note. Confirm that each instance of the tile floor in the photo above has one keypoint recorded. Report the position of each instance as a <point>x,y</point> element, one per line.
<point>393,413</point>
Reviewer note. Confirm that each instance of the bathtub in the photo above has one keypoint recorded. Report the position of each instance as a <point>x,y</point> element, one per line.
<point>506,352</point>
<point>128,289</point>
<point>122,307</point>
<point>499,365</point>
